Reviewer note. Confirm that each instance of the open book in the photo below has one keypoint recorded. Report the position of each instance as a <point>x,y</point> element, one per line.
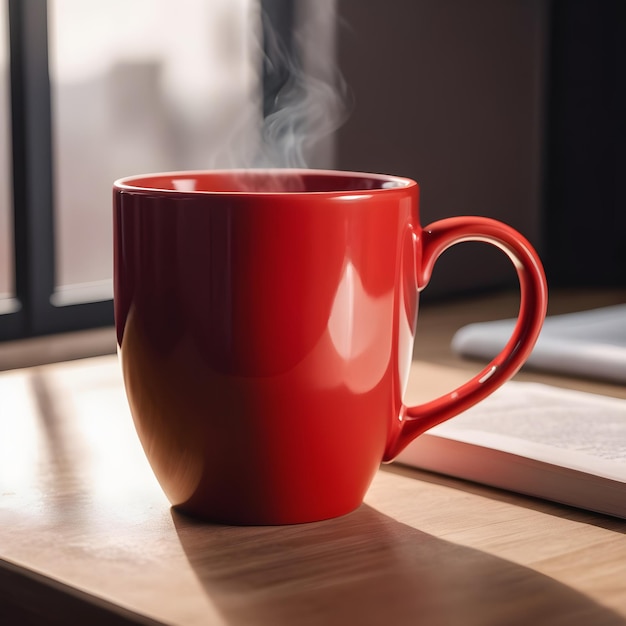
<point>561,445</point>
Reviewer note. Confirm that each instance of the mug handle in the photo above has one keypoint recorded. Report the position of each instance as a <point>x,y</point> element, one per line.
<point>434,240</point>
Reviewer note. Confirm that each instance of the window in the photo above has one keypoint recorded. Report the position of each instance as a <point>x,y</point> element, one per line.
<point>163,88</point>
<point>99,91</point>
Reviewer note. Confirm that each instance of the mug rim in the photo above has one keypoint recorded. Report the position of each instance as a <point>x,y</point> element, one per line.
<point>139,183</point>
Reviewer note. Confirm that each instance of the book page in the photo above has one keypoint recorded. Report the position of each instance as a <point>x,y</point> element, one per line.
<point>579,430</point>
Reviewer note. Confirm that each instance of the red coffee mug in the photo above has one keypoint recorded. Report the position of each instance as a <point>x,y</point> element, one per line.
<point>265,322</point>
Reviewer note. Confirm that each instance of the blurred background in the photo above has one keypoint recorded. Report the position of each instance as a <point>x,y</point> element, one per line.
<point>508,108</point>
<point>136,86</point>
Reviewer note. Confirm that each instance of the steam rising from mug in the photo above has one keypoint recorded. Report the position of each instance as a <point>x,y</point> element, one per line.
<point>311,103</point>
<point>305,97</point>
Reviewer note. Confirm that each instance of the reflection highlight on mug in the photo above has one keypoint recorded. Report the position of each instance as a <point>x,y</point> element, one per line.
<point>359,338</point>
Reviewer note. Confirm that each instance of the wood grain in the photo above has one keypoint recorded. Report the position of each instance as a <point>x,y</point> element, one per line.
<point>85,531</point>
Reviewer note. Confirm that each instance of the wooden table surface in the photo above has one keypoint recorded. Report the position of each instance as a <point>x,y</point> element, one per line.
<point>87,537</point>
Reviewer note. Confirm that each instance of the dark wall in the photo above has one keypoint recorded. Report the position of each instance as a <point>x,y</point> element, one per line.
<point>585,209</point>
<point>450,93</point>
<point>513,109</point>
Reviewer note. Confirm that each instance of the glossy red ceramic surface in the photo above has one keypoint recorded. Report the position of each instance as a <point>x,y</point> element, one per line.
<point>265,323</point>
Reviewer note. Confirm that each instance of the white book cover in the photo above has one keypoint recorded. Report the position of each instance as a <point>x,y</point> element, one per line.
<point>591,343</point>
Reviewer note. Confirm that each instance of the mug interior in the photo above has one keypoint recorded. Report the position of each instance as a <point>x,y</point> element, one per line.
<point>263,181</point>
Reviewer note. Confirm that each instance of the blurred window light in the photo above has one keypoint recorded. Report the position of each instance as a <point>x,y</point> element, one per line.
<point>139,86</point>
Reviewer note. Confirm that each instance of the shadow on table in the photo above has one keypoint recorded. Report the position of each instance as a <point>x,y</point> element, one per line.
<point>367,568</point>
